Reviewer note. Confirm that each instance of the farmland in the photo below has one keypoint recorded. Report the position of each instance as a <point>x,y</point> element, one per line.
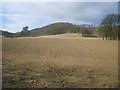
<point>54,62</point>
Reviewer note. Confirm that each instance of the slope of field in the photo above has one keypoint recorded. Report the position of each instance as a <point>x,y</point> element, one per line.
<point>68,36</point>
<point>64,36</point>
<point>56,62</point>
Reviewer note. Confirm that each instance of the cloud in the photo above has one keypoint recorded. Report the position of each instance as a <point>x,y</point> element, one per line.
<point>17,21</point>
<point>60,0</point>
<point>17,15</point>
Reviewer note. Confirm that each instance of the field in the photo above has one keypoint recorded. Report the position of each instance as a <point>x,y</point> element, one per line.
<point>59,63</point>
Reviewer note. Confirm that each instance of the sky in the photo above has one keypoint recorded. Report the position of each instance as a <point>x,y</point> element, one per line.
<point>16,15</point>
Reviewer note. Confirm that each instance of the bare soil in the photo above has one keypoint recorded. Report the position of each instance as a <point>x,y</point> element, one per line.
<point>59,63</point>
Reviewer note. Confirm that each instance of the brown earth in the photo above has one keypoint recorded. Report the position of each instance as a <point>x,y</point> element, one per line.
<point>60,63</point>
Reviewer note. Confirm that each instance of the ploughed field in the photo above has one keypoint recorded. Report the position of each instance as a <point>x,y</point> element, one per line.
<point>59,63</point>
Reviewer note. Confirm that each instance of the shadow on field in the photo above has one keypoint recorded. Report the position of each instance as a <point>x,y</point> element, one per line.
<point>49,76</point>
<point>45,76</point>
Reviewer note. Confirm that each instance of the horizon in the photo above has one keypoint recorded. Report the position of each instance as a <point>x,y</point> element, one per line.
<point>17,15</point>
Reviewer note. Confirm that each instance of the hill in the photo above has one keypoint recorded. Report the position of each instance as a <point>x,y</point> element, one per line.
<point>6,33</point>
<point>53,29</point>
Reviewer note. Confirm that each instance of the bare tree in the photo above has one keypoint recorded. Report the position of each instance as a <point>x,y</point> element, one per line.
<point>108,27</point>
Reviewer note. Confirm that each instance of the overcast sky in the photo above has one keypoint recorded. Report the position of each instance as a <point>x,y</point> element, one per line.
<point>17,15</point>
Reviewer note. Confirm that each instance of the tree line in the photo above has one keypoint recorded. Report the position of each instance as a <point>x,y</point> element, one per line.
<point>107,30</point>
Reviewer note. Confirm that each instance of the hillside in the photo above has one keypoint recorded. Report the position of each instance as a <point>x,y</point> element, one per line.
<point>56,28</point>
<point>62,36</point>
<point>6,33</point>
<point>52,29</point>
